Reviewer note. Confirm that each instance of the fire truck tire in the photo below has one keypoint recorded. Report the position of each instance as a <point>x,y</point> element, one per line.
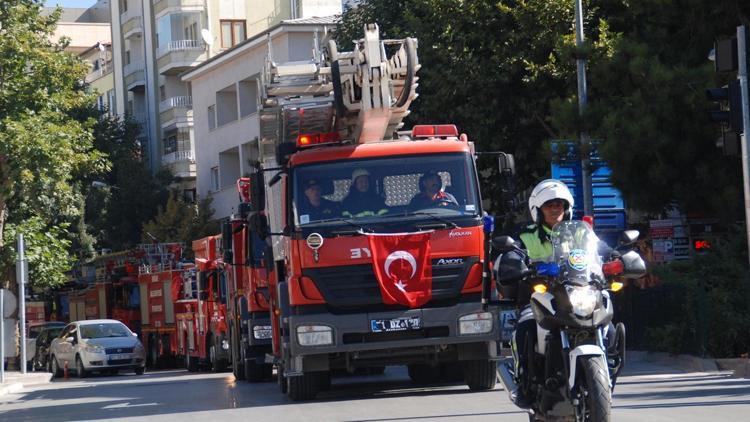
<point>424,374</point>
<point>280,379</point>
<point>80,370</point>
<point>304,387</point>
<point>480,374</point>
<point>191,363</point>
<point>217,365</point>
<point>255,372</point>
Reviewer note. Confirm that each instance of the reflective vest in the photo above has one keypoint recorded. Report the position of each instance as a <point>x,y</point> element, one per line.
<point>537,250</point>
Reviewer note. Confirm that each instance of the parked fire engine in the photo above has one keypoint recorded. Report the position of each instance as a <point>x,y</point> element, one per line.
<point>393,272</point>
<point>162,279</point>
<point>114,293</point>
<point>201,313</point>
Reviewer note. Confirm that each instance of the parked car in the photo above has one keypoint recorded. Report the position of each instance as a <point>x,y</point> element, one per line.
<point>33,330</point>
<point>42,342</point>
<point>103,345</point>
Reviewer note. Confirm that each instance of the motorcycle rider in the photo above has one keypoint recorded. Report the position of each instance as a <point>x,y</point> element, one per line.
<point>550,203</point>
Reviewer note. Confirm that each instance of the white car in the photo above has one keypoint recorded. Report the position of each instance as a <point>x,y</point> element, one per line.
<point>104,345</point>
<point>32,332</point>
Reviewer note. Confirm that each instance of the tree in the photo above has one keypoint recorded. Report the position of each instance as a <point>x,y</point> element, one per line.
<point>181,222</point>
<point>42,145</point>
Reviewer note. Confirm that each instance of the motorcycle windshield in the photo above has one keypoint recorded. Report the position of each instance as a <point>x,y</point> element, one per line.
<point>575,250</point>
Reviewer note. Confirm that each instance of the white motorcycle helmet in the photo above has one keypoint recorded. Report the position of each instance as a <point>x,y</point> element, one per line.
<point>545,191</point>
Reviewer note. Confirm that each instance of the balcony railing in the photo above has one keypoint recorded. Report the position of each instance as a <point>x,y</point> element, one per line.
<point>177,156</point>
<point>133,67</point>
<point>98,73</point>
<point>161,5</point>
<point>176,102</point>
<point>181,45</point>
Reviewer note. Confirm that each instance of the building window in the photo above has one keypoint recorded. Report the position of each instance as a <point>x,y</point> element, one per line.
<point>212,117</point>
<point>170,143</point>
<point>214,179</point>
<point>127,57</point>
<point>226,105</point>
<point>188,195</point>
<point>111,102</point>
<point>100,103</point>
<point>123,6</point>
<point>232,32</point>
<point>162,92</point>
<point>248,95</point>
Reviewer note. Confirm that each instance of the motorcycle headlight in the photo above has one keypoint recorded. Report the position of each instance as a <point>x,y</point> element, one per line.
<point>583,299</point>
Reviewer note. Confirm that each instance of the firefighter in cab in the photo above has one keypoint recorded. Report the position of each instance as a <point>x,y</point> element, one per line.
<point>362,200</point>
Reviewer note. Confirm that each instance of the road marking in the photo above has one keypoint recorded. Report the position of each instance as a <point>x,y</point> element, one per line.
<point>128,405</point>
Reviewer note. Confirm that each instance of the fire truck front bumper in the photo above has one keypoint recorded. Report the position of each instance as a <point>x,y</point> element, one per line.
<point>455,333</point>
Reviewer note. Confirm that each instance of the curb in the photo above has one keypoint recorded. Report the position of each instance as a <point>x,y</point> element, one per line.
<point>10,388</point>
<point>689,363</point>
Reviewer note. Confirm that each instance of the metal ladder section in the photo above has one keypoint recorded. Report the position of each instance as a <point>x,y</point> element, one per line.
<point>362,94</point>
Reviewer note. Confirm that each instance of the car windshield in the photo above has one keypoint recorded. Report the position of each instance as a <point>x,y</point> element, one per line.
<point>104,330</point>
<point>433,186</point>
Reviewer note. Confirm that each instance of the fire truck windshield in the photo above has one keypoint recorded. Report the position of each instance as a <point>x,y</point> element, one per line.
<point>435,186</point>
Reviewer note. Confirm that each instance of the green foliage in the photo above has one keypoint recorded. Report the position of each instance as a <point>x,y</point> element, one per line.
<point>46,250</point>
<point>43,145</point>
<point>181,222</point>
<point>703,305</point>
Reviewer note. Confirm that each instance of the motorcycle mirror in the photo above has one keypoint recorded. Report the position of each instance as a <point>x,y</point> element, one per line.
<point>503,243</point>
<point>633,265</point>
<point>628,238</point>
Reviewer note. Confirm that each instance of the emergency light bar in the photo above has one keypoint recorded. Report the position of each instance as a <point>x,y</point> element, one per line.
<point>311,139</point>
<point>429,131</point>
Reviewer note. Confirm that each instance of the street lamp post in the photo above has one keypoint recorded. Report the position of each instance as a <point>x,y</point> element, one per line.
<point>588,200</point>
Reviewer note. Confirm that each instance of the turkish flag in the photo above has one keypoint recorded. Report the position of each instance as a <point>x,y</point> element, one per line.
<point>401,263</point>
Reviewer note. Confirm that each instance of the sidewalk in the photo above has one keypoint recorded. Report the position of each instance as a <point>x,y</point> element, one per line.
<point>688,363</point>
<point>15,381</point>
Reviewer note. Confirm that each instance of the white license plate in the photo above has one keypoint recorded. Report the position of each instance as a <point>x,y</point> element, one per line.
<point>118,357</point>
<point>395,324</point>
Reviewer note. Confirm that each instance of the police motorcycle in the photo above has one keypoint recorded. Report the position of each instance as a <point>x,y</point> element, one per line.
<point>572,368</point>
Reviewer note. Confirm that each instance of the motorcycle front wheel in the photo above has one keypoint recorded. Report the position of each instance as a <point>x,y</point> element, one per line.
<point>595,400</point>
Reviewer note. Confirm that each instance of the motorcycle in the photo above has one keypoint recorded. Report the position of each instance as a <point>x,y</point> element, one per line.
<point>573,365</point>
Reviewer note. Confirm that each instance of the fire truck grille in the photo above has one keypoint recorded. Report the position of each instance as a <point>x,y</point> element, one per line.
<point>118,350</point>
<point>356,285</point>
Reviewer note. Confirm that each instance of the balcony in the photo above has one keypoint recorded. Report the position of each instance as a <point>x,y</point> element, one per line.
<point>176,110</point>
<point>134,75</point>
<point>98,73</point>
<point>181,55</point>
<point>167,6</point>
<point>131,23</point>
<point>181,163</point>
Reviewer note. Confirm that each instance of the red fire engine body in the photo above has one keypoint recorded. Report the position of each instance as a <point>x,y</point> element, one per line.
<point>391,275</point>
<point>202,317</point>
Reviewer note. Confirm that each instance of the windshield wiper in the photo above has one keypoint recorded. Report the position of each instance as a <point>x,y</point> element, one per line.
<point>343,220</point>
<point>436,217</point>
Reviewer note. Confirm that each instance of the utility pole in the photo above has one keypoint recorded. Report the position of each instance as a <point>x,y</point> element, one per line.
<point>742,76</point>
<point>22,272</point>
<point>588,200</point>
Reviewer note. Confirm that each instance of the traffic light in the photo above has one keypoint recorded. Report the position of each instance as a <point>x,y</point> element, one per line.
<point>728,113</point>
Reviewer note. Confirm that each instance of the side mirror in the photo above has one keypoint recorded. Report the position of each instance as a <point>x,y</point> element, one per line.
<point>135,334</point>
<point>503,243</point>
<point>628,238</point>
<point>633,264</point>
<point>226,241</point>
<point>506,164</point>
<point>70,339</point>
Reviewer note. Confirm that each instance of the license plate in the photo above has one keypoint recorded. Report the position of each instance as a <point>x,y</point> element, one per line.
<point>395,324</point>
<point>118,357</point>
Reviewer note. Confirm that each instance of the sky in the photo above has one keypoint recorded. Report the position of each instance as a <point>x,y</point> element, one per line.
<point>71,3</point>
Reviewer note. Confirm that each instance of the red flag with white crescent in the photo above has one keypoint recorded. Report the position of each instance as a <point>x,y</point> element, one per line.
<point>402,266</point>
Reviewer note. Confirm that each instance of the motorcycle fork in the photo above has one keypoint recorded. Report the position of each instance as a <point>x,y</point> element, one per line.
<point>554,362</point>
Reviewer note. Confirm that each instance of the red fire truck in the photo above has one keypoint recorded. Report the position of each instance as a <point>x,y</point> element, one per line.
<point>202,332</point>
<point>390,272</point>
<point>162,278</point>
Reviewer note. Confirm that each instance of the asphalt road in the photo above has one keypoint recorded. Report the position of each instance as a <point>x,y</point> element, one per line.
<point>648,392</point>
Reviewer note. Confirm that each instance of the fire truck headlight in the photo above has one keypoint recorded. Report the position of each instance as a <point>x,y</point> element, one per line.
<point>314,335</point>
<point>261,332</point>
<point>478,323</point>
<point>225,345</point>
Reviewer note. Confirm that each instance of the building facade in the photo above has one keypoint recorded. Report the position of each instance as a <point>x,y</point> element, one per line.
<point>154,41</point>
<point>226,101</point>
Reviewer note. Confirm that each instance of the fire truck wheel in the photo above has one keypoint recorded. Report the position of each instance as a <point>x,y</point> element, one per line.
<point>280,379</point>
<point>80,370</point>
<point>304,387</point>
<point>424,374</point>
<point>253,371</point>
<point>191,363</point>
<point>480,374</point>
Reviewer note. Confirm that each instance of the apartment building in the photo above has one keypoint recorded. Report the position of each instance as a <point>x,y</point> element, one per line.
<point>226,101</point>
<point>100,79</point>
<point>154,41</point>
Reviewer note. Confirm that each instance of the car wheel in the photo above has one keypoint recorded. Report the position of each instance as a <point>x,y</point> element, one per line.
<point>139,370</point>
<point>80,370</point>
<point>55,367</point>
